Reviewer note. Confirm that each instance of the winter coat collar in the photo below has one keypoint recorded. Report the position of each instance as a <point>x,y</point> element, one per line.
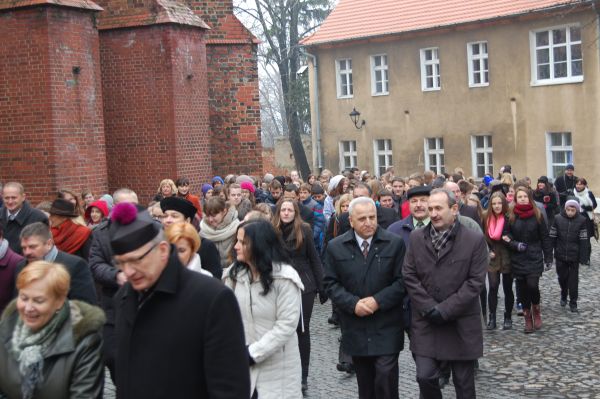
<point>378,236</point>
<point>91,319</point>
<point>22,215</point>
<point>281,271</point>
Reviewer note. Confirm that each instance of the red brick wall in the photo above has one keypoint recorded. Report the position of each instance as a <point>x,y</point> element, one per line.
<point>234,109</point>
<point>155,116</point>
<point>51,130</point>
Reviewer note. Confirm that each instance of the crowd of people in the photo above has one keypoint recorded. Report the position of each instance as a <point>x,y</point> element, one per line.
<point>211,294</point>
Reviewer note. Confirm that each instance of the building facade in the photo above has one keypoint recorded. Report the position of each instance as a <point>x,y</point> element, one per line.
<point>476,87</point>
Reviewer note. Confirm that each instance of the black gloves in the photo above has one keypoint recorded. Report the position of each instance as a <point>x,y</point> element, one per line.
<point>435,317</point>
<point>323,297</point>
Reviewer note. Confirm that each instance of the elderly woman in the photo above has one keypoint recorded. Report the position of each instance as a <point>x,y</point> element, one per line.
<point>167,188</point>
<point>268,290</point>
<point>50,347</point>
<point>187,242</point>
<point>219,225</point>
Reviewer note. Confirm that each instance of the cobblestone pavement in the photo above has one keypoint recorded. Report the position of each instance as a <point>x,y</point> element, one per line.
<point>560,361</point>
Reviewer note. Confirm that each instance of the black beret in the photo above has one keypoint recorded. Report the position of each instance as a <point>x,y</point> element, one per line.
<point>419,190</point>
<point>180,205</point>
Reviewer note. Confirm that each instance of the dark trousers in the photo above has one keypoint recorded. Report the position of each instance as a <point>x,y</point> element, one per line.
<point>530,290</point>
<point>377,376</point>
<point>109,348</point>
<point>308,301</point>
<point>568,279</point>
<point>509,298</point>
<point>428,376</point>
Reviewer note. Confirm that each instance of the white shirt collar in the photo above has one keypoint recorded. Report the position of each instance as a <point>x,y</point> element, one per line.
<point>360,240</point>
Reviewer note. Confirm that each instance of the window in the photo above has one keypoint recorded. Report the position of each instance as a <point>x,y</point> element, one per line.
<point>559,152</point>
<point>344,78</point>
<point>430,69</point>
<point>382,155</point>
<point>481,155</point>
<point>379,75</point>
<point>434,154</point>
<point>478,64</point>
<point>556,56</point>
<point>348,154</point>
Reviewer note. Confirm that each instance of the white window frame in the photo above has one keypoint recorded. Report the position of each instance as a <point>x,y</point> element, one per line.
<point>435,64</point>
<point>568,43</point>
<point>487,151</point>
<point>561,148</point>
<point>352,153</point>
<point>480,58</point>
<point>386,152</point>
<point>338,78</point>
<point>385,77</point>
<point>437,151</point>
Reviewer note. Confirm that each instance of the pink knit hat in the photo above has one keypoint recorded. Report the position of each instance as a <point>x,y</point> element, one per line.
<point>246,185</point>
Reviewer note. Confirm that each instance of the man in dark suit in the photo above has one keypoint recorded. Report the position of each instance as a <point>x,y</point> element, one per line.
<point>179,334</point>
<point>385,216</point>
<point>37,244</point>
<point>363,279</point>
<point>444,270</point>
<point>16,214</point>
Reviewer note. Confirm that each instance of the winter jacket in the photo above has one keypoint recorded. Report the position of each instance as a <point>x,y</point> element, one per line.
<point>185,340</point>
<point>451,281</point>
<point>306,262</point>
<point>350,277</point>
<point>569,237</point>
<point>8,267</point>
<point>319,222</point>
<point>539,247</point>
<point>501,261</point>
<point>12,228</point>
<point>73,365</point>
<point>270,323</point>
<point>548,199</point>
<point>565,186</point>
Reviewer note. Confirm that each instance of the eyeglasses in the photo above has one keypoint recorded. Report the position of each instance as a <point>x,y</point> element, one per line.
<point>134,262</point>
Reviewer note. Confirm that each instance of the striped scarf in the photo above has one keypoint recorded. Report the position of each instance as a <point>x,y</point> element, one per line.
<point>440,238</point>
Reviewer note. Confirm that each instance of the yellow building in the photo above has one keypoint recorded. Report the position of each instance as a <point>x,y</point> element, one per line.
<point>447,83</point>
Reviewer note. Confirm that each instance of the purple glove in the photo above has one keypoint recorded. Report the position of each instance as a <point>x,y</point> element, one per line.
<point>522,246</point>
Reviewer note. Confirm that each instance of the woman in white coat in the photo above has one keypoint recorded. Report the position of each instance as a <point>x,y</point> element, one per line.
<point>268,290</point>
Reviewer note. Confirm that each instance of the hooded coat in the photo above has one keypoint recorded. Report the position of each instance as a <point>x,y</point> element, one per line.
<point>73,365</point>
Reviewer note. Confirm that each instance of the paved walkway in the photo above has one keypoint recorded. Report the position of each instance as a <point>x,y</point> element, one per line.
<point>560,361</point>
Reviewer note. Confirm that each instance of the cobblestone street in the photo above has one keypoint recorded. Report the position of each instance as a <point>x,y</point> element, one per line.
<point>560,361</point>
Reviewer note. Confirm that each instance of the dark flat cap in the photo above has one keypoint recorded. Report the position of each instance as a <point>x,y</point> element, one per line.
<point>419,190</point>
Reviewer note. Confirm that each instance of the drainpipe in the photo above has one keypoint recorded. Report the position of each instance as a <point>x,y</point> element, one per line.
<point>317,114</point>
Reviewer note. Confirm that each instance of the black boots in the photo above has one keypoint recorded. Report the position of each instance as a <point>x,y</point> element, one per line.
<point>491,324</point>
<point>507,325</point>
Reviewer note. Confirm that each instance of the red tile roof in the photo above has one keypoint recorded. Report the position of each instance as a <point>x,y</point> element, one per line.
<point>84,4</point>
<point>355,19</point>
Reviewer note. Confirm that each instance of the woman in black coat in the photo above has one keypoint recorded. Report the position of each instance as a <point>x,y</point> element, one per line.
<point>300,246</point>
<point>531,248</point>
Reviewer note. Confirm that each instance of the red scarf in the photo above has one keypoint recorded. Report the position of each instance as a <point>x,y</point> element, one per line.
<point>69,236</point>
<point>495,227</point>
<point>523,211</point>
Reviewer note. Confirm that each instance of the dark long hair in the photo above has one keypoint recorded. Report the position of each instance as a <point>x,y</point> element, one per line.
<point>264,248</point>
<point>296,238</point>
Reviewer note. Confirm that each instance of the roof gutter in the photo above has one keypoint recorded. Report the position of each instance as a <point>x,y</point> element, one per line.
<point>317,137</point>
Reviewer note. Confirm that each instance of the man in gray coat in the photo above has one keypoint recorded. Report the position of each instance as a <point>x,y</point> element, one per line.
<point>363,278</point>
<point>444,271</point>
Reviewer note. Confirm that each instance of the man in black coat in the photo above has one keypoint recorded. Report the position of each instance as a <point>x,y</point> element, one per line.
<point>37,243</point>
<point>16,214</point>
<point>179,333</point>
<point>363,279</point>
<point>565,185</point>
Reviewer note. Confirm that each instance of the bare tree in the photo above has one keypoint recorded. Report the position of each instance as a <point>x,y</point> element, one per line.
<point>283,23</point>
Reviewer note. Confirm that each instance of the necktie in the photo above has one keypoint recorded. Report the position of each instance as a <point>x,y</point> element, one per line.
<point>420,224</point>
<point>365,246</point>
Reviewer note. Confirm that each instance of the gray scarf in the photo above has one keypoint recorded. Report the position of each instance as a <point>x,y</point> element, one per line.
<point>29,347</point>
<point>439,239</point>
